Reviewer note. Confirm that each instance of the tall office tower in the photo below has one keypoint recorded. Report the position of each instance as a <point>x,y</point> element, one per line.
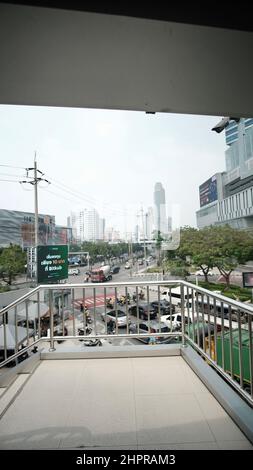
<point>160,209</point>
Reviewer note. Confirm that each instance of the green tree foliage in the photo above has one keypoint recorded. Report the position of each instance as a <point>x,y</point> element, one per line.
<point>12,263</point>
<point>230,247</point>
<point>215,246</point>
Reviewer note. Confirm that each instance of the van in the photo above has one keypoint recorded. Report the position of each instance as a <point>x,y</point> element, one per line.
<point>173,296</point>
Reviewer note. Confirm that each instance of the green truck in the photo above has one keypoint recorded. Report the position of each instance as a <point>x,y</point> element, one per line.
<point>235,354</point>
<point>235,349</point>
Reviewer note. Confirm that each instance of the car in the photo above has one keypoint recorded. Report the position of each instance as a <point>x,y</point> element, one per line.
<point>165,306</point>
<point>140,262</point>
<point>115,269</point>
<point>73,272</point>
<point>152,327</point>
<point>200,273</point>
<point>118,316</point>
<point>174,320</point>
<point>143,311</point>
<point>128,265</point>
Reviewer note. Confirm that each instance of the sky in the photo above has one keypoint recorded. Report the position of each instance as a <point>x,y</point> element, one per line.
<point>108,160</point>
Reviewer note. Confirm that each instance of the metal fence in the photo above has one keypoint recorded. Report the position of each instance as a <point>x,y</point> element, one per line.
<point>219,328</point>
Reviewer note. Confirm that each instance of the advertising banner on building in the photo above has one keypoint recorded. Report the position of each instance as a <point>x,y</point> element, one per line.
<point>208,191</point>
<point>52,263</point>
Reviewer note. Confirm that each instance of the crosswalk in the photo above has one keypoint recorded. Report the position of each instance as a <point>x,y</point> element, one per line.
<point>89,301</point>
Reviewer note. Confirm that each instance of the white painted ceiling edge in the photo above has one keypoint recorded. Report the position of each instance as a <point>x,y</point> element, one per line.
<point>55,57</point>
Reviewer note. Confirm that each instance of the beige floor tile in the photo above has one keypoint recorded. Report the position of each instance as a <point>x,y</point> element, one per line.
<point>222,426</point>
<point>172,419</point>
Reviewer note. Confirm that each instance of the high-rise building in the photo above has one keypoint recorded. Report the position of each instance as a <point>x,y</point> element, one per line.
<point>87,225</point>
<point>160,209</point>
<point>227,198</point>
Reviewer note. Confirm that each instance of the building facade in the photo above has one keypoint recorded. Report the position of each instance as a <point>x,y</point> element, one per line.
<point>87,225</point>
<point>227,198</point>
<point>18,228</point>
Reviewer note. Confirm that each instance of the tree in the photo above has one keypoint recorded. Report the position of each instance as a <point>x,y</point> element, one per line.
<point>12,263</point>
<point>230,247</point>
<point>215,246</point>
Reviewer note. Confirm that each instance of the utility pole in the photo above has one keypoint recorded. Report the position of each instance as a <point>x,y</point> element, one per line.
<point>36,224</point>
<point>144,235</point>
<point>35,182</point>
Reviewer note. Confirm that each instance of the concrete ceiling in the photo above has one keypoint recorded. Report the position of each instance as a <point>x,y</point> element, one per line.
<point>72,58</point>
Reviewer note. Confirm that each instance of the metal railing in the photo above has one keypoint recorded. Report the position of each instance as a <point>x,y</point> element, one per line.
<point>219,328</point>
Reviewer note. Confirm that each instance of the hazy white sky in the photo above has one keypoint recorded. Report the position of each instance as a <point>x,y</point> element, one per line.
<point>106,159</point>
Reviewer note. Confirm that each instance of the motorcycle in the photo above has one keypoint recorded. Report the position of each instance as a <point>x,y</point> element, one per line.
<point>124,300</point>
<point>109,304</point>
<point>141,296</point>
<point>81,332</point>
<point>93,342</point>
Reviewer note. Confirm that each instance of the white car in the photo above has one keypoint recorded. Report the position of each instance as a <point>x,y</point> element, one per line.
<point>74,271</point>
<point>200,273</point>
<point>174,320</point>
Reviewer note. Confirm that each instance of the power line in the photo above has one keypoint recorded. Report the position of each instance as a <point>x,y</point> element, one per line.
<point>85,197</point>
<point>11,166</point>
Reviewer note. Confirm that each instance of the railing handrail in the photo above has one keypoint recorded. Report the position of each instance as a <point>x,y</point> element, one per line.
<point>239,305</point>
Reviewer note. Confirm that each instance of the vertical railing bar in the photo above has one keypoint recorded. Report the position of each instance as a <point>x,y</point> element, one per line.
<point>105,311</point>
<point>215,330</point>
<point>5,342</point>
<point>73,312</point>
<point>148,300</point>
<point>193,312</point>
<point>51,313</point>
<point>182,315</point>
<point>222,336</point>
<point>16,330</point>
<point>203,324</point>
<point>159,307</point>
<point>170,309</point>
<point>197,312</point>
<point>137,312</point>
<point>127,311</point>
<point>85,316</point>
<point>116,318</point>
<point>62,313</point>
<point>38,313</point>
<point>27,322</point>
<point>208,326</point>
<point>231,342</point>
<point>250,353</point>
<point>188,311</point>
<point>94,310</point>
<point>240,348</point>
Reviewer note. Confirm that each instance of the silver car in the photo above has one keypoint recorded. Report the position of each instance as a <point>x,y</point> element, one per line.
<point>155,327</point>
<point>118,316</point>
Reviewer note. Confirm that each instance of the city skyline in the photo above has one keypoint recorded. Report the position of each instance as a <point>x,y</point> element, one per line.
<point>106,160</point>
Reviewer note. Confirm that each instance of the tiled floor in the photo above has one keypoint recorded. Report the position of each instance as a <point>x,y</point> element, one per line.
<point>130,403</point>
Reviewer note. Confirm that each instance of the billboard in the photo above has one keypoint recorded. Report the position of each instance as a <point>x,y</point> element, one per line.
<point>247,279</point>
<point>52,263</point>
<point>208,191</point>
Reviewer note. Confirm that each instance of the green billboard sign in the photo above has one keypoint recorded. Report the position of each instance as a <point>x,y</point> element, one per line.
<point>52,263</point>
